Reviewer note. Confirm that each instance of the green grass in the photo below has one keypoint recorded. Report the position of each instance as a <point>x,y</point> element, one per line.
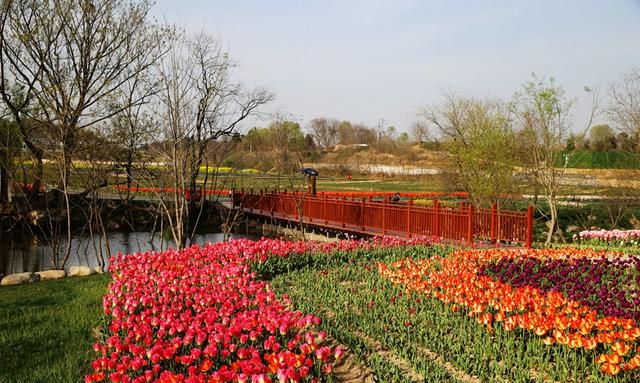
<point>46,329</point>
<point>598,160</point>
<point>426,184</point>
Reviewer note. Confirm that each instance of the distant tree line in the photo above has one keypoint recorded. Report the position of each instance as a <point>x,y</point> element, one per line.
<point>262,148</point>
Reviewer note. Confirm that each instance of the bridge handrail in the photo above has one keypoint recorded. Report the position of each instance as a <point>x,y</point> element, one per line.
<point>463,222</point>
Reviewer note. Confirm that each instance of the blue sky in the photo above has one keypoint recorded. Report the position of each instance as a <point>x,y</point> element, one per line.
<point>369,60</point>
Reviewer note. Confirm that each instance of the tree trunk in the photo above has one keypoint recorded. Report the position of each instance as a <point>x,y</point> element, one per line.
<point>553,208</point>
<point>128,168</point>
<point>4,180</point>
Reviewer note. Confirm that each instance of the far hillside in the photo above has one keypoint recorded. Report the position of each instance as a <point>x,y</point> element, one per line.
<point>339,147</point>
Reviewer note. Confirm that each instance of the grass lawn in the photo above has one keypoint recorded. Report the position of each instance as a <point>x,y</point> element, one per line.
<point>46,329</point>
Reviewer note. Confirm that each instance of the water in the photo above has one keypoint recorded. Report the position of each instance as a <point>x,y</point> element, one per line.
<point>28,255</point>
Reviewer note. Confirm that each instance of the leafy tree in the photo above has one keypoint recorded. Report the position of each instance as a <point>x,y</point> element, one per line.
<point>287,143</point>
<point>403,138</point>
<point>602,138</point>
<point>478,137</point>
<point>543,114</point>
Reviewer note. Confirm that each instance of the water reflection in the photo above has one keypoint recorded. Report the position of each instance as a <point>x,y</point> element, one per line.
<point>28,255</point>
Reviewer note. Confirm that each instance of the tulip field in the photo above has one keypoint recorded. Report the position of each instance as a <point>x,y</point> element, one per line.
<point>200,315</point>
<point>622,238</point>
<point>407,311</point>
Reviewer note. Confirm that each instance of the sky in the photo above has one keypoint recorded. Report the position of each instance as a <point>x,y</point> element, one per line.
<point>380,62</point>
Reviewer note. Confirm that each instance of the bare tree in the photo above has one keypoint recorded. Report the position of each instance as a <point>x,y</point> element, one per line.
<point>69,59</point>
<point>624,108</point>
<point>419,131</point>
<point>198,103</point>
<point>324,131</point>
<point>18,77</point>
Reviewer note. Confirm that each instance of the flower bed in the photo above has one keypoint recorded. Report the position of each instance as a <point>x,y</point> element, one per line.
<point>550,293</point>
<point>611,286</point>
<point>207,315</point>
<point>609,237</point>
<point>198,315</point>
<point>201,315</point>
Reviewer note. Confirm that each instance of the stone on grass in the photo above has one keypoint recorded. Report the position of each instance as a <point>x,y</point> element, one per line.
<point>51,274</point>
<point>15,279</point>
<point>572,229</point>
<point>98,270</point>
<point>80,271</point>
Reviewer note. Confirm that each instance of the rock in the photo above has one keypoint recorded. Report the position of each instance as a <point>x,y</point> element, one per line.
<point>15,279</point>
<point>51,274</point>
<point>80,271</point>
<point>113,226</point>
<point>34,217</point>
<point>572,229</point>
<point>98,270</point>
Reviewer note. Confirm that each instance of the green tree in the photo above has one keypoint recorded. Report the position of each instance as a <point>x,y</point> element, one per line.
<point>287,143</point>
<point>543,113</point>
<point>602,138</point>
<point>478,137</point>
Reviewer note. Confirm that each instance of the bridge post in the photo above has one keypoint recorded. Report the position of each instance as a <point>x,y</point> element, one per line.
<point>384,215</point>
<point>494,211</point>
<point>364,229</point>
<point>470,225</point>
<point>409,206</point>
<point>325,209</point>
<point>436,208</point>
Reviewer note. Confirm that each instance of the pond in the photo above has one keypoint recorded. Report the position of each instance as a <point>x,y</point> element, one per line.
<point>19,255</point>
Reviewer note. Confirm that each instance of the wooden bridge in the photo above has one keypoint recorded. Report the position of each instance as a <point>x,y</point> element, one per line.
<point>379,215</point>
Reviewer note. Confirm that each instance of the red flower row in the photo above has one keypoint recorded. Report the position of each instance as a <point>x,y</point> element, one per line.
<point>200,315</point>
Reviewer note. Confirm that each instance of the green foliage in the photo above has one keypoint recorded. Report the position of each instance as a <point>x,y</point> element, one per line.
<point>9,135</point>
<point>602,138</point>
<point>280,147</point>
<point>215,169</point>
<point>479,139</point>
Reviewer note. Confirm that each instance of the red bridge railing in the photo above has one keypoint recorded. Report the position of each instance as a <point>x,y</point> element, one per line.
<point>464,222</point>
